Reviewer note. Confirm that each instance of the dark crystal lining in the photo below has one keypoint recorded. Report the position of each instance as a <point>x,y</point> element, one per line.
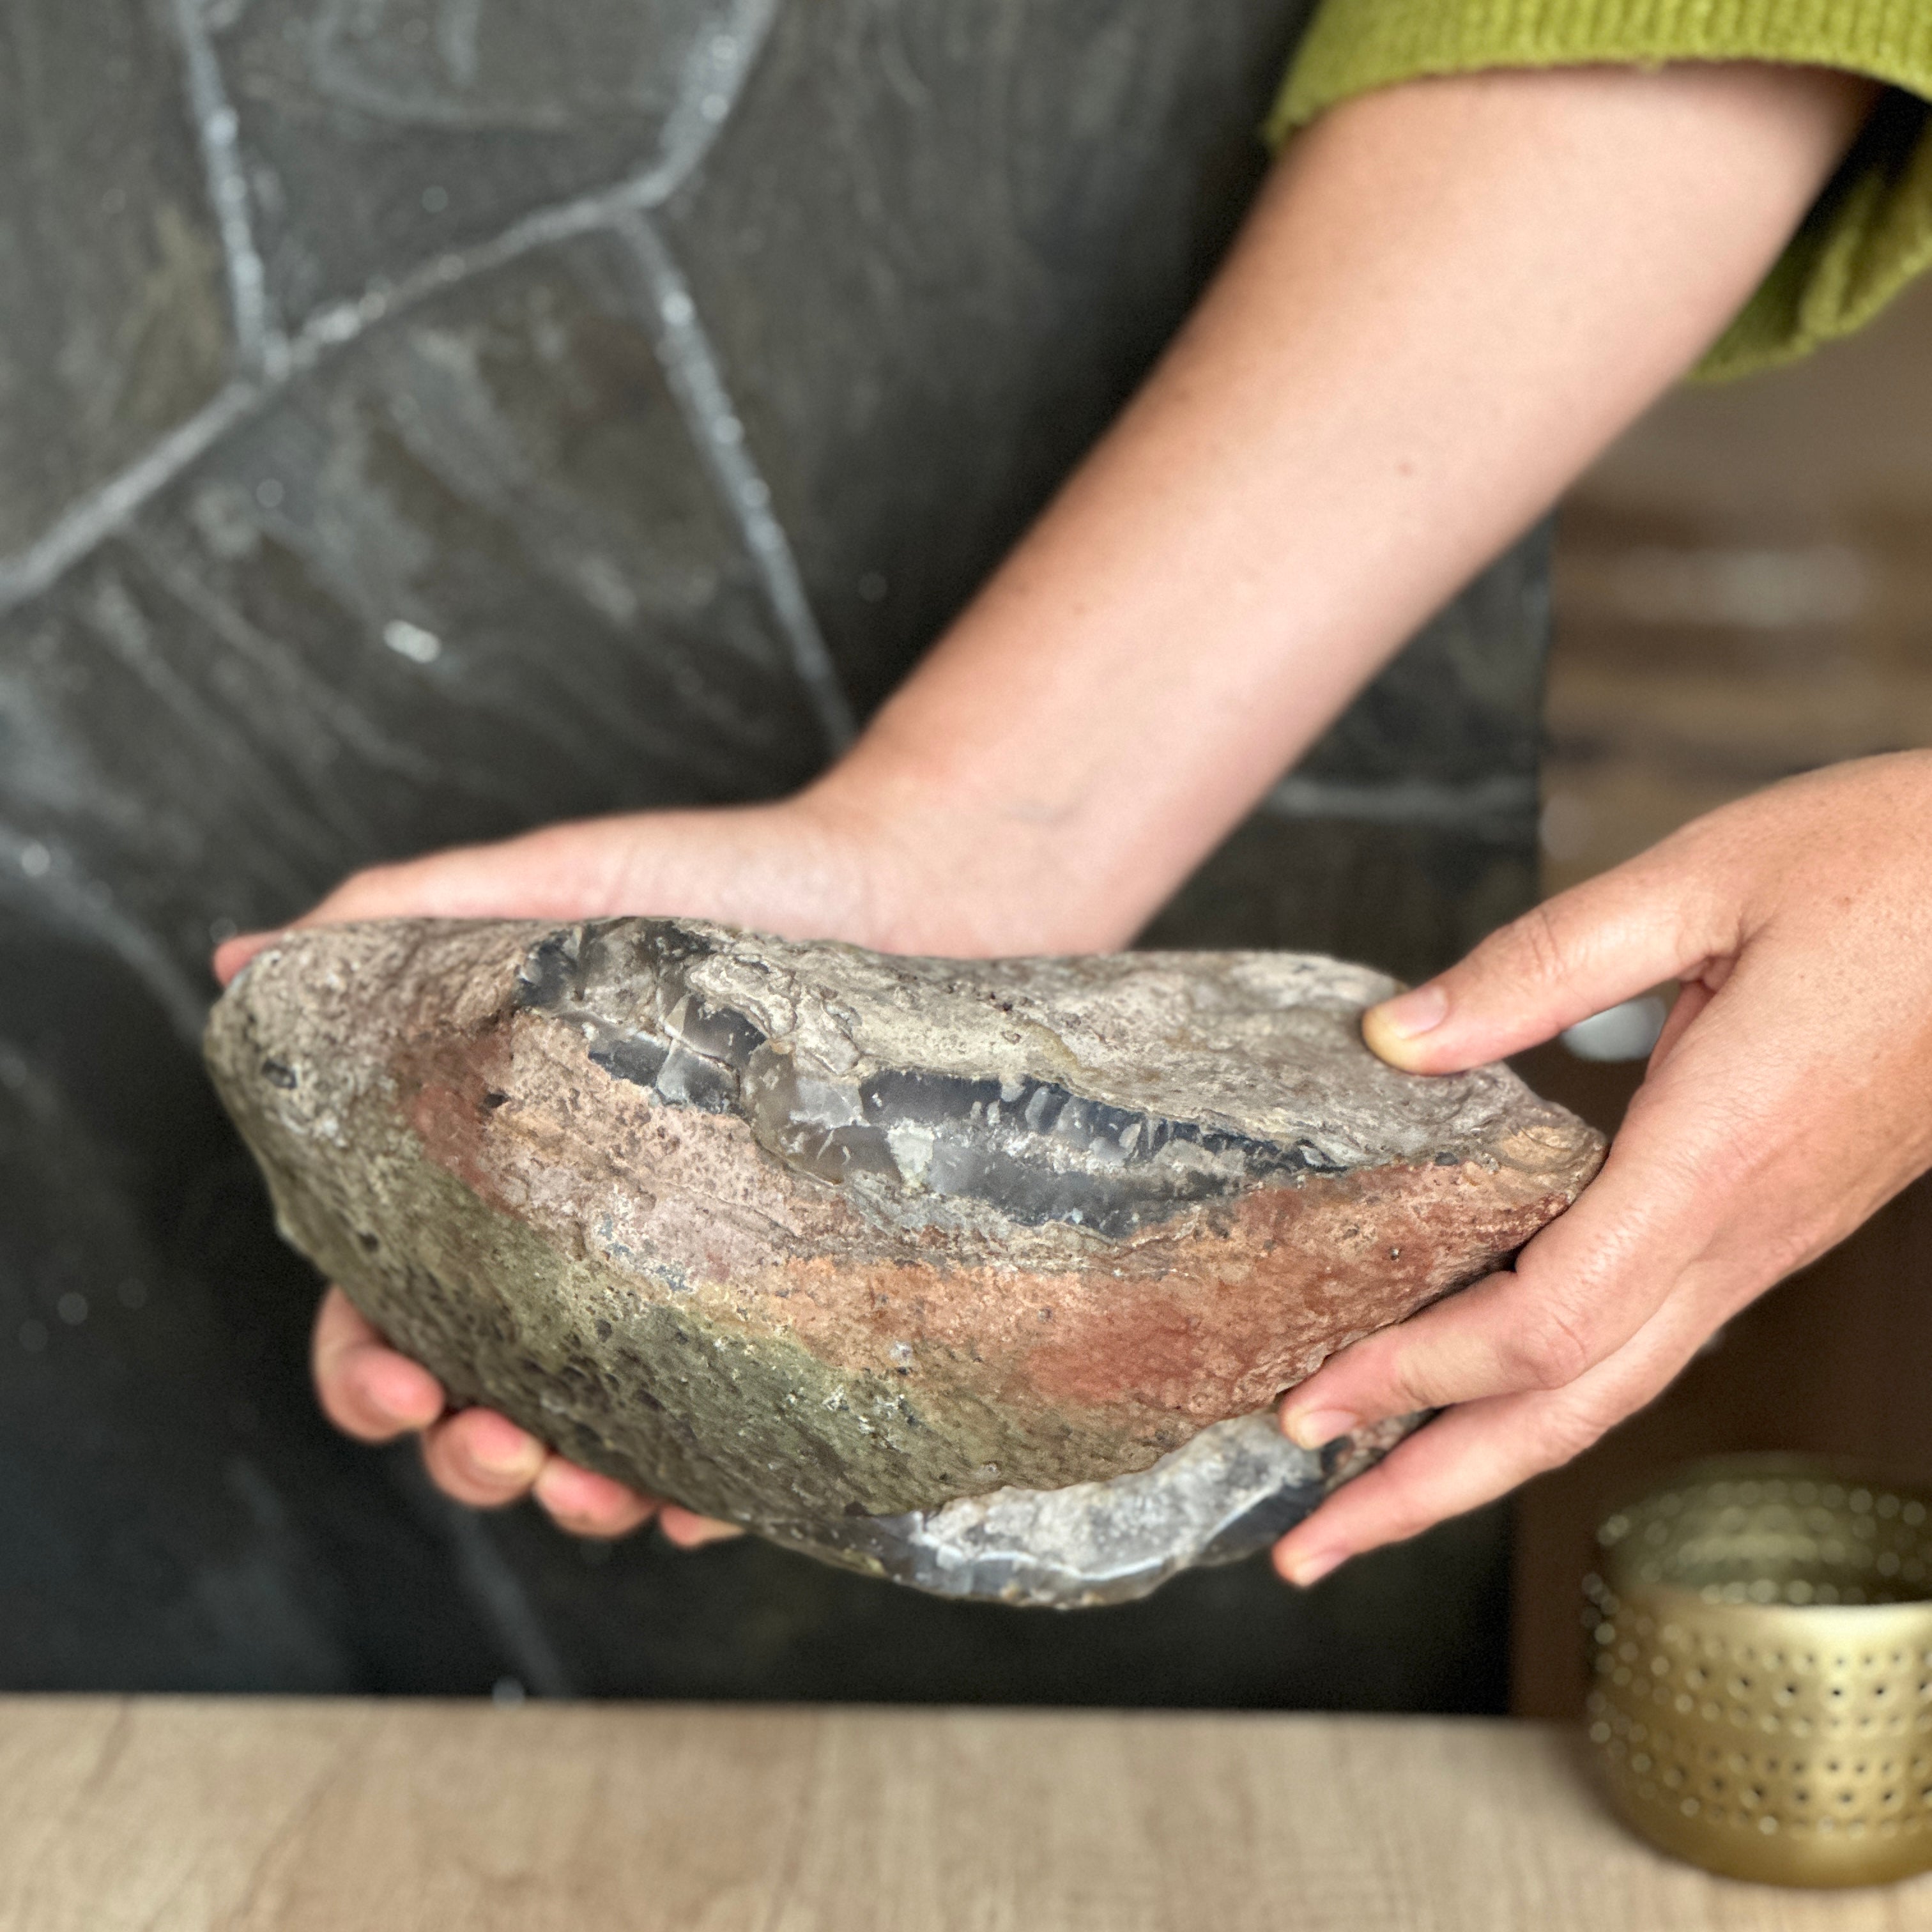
<point>1032,1149</point>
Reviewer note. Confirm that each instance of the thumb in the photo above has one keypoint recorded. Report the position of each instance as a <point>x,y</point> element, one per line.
<point>231,954</point>
<point>1588,949</point>
<point>573,870</point>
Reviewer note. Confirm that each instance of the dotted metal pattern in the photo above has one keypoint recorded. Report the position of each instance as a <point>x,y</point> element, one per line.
<point>1761,1703</point>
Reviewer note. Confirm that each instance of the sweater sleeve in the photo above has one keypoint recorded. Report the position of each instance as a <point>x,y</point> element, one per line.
<point>1868,235</point>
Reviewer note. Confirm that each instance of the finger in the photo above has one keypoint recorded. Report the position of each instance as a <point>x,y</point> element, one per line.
<point>689,1531</point>
<point>1455,1463</point>
<point>365,1388</point>
<point>563,872</point>
<point>473,884</point>
<point>482,1459</point>
<point>1473,1345</point>
<point>1582,1288</point>
<point>1474,1454</point>
<point>537,876</point>
<point>588,1505</point>
<point>231,954</point>
<point>1606,940</point>
<point>634,862</point>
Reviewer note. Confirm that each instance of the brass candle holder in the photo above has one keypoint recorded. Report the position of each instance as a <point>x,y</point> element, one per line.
<point>1762,1696</point>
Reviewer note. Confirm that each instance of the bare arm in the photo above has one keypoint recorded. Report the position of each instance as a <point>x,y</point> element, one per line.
<point>1449,298</point>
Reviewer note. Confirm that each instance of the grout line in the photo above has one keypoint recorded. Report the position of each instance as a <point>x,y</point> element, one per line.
<point>86,524</point>
<point>1508,798</point>
<point>50,882</point>
<point>692,369</point>
<point>715,76</point>
<point>488,1580</point>
<point>257,340</point>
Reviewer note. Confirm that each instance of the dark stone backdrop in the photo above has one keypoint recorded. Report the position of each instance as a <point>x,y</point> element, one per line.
<point>420,419</point>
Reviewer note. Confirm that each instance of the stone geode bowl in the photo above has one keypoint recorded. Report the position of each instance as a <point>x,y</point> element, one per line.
<point>980,1275</point>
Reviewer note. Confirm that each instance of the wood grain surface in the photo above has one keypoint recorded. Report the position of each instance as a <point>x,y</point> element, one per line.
<point>174,1816</point>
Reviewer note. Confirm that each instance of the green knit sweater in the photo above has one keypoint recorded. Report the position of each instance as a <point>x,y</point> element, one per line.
<point>1871,232</point>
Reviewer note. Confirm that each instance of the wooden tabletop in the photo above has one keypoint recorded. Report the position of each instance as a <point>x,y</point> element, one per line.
<point>174,1816</point>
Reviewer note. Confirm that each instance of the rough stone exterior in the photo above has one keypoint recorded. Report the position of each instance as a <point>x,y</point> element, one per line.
<point>796,1233</point>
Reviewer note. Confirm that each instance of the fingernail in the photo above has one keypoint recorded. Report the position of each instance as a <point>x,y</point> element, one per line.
<point>1305,1572</point>
<point>1316,1428</point>
<point>695,1533</point>
<point>247,947</point>
<point>1408,1015</point>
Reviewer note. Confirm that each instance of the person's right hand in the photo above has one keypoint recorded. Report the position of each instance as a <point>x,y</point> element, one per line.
<point>794,869</point>
<point>1784,1104</point>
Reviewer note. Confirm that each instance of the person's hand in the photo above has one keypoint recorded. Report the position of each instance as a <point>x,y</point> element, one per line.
<point>1789,1097</point>
<point>809,868</point>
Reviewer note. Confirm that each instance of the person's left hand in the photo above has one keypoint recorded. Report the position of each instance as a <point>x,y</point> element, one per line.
<point>1789,1097</point>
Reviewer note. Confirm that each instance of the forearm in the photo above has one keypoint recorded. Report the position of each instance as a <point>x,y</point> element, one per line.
<point>1449,298</point>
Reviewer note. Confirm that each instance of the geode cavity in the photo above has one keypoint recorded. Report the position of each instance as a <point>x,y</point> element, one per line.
<point>917,1263</point>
